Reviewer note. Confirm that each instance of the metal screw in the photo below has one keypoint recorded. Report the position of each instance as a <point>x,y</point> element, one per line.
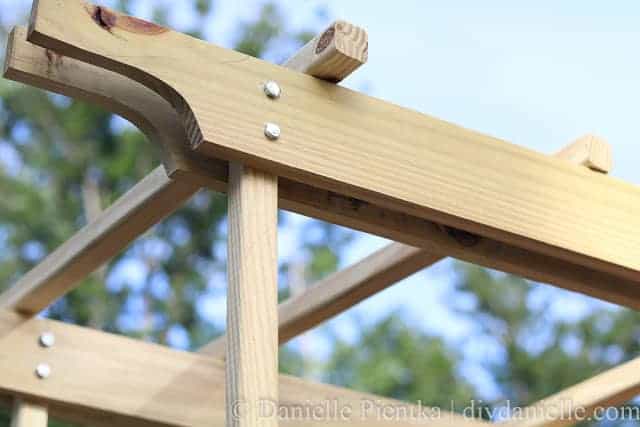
<point>272,131</point>
<point>43,371</point>
<point>272,89</point>
<point>47,339</point>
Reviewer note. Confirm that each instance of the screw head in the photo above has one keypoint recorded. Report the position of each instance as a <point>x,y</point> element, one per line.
<point>47,339</point>
<point>272,89</point>
<point>272,131</point>
<point>43,371</point>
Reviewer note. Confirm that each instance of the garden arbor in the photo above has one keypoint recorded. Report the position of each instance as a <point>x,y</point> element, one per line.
<point>290,137</point>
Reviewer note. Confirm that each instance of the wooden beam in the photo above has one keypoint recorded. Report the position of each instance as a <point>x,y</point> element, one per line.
<point>27,414</point>
<point>252,296</point>
<point>252,317</point>
<point>590,151</point>
<point>49,70</point>
<point>333,54</point>
<point>342,290</point>
<point>152,199</point>
<point>31,64</point>
<point>608,389</point>
<point>338,140</point>
<point>108,378</point>
<point>348,287</point>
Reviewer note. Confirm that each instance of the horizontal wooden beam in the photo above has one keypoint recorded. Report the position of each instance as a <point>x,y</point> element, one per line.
<point>337,140</point>
<point>149,201</point>
<point>590,151</point>
<point>333,54</point>
<point>342,290</point>
<point>31,64</point>
<point>132,383</point>
<point>608,389</point>
<point>348,287</point>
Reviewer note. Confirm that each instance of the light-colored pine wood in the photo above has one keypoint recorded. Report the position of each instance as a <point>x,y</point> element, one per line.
<point>154,116</point>
<point>252,297</point>
<point>152,199</point>
<point>27,414</point>
<point>112,380</point>
<point>338,140</point>
<point>342,290</point>
<point>333,54</point>
<point>348,287</point>
<point>608,389</point>
<point>31,64</point>
<point>590,151</point>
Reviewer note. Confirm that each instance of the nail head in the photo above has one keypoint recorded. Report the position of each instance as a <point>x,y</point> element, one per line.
<point>47,339</point>
<point>43,371</point>
<point>272,89</point>
<point>272,131</point>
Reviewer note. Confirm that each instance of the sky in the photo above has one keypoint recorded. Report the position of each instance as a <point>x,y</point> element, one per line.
<point>537,74</point>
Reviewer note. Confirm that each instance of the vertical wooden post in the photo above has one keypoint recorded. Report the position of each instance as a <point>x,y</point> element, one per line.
<point>26,414</point>
<point>252,317</point>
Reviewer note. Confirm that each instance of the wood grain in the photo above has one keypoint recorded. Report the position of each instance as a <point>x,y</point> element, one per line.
<point>109,380</point>
<point>252,297</point>
<point>333,54</point>
<point>29,63</point>
<point>590,151</point>
<point>348,287</point>
<point>252,317</point>
<point>608,389</point>
<point>27,414</point>
<point>338,140</point>
<point>342,290</point>
<point>152,199</point>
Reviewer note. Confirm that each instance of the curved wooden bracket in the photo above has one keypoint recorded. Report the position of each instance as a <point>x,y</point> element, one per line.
<point>31,64</point>
<point>337,140</point>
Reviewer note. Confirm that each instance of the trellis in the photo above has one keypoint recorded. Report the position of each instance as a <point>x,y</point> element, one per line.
<point>273,137</point>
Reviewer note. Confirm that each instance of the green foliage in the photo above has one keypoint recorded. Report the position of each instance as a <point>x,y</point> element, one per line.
<point>51,147</point>
<point>543,354</point>
<point>395,360</point>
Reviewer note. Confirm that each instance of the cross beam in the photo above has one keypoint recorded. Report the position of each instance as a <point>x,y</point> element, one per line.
<point>111,380</point>
<point>359,146</point>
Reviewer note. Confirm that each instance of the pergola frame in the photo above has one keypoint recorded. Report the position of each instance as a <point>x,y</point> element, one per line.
<point>341,157</point>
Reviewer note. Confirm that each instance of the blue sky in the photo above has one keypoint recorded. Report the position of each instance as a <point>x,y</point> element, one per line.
<point>538,74</point>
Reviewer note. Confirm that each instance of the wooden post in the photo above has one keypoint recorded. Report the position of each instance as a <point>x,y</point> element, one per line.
<point>252,302</point>
<point>252,317</point>
<point>26,414</point>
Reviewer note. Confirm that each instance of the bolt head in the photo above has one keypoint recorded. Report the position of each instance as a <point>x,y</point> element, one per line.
<point>272,131</point>
<point>47,339</point>
<point>43,371</point>
<point>272,89</point>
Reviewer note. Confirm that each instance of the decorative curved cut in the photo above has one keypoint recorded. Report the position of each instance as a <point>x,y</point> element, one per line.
<point>338,140</point>
<point>31,64</point>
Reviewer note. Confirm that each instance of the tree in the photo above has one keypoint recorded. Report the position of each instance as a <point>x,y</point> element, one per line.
<point>58,156</point>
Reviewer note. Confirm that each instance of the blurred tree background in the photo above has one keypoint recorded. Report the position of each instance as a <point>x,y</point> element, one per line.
<point>60,158</point>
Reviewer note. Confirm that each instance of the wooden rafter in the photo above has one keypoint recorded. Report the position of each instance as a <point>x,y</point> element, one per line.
<point>563,225</point>
<point>359,146</point>
<point>342,290</point>
<point>110,379</point>
<point>382,269</point>
<point>611,388</point>
<point>145,204</point>
<point>401,227</point>
<point>31,64</point>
